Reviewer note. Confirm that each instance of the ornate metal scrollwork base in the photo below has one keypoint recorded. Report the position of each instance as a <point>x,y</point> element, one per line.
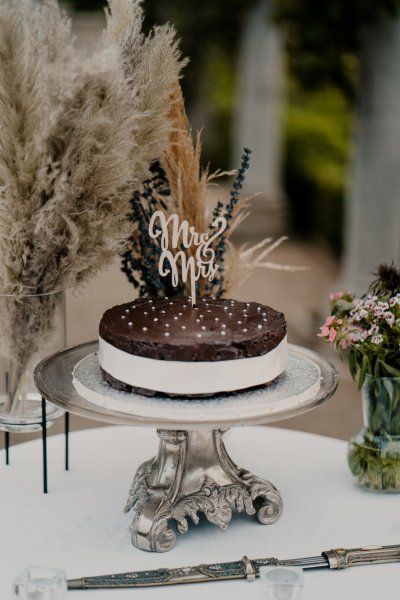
<point>192,473</point>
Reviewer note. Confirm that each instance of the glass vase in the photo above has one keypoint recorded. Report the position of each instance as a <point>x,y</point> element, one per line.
<point>374,452</point>
<point>31,328</point>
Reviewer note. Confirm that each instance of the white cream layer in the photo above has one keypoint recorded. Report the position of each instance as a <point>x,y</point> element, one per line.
<point>181,377</point>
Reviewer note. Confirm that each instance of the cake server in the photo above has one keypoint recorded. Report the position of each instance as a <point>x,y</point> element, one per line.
<point>245,568</point>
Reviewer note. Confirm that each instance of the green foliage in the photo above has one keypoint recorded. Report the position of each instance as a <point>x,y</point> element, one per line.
<point>324,39</point>
<point>387,280</point>
<point>374,453</point>
<point>217,90</point>
<point>317,130</point>
<point>210,35</point>
<point>375,469</point>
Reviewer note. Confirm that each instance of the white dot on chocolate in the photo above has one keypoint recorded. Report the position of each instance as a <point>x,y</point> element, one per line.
<point>123,317</point>
<point>264,314</point>
<point>208,310</point>
<point>155,320</point>
<point>203,327</point>
<point>244,330</point>
<point>239,322</point>
<point>145,312</point>
<point>150,301</point>
<point>247,304</point>
<point>197,320</point>
<point>230,314</point>
<point>201,316</point>
<point>180,314</point>
<point>166,334</point>
<point>265,320</point>
<point>223,332</point>
<point>199,335</point>
<point>183,327</point>
<point>258,308</point>
<point>130,323</point>
<point>175,318</point>
<point>163,312</point>
<point>223,326</point>
<point>225,308</point>
<point>259,326</point>
<point>166,325</point>
<point>144,328</point>
<point>166,297</point>
<point>216,319</point>
<point>127,310</point>
<point>171,303</point>
<point>153,308</point>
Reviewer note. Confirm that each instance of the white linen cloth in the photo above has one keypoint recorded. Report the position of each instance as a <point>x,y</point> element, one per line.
<point>80,527</point>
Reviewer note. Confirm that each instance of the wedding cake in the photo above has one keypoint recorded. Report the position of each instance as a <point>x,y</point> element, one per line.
<point>167,346</point>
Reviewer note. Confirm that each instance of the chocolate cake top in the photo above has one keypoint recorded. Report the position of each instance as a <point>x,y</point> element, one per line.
<point>171,329</point>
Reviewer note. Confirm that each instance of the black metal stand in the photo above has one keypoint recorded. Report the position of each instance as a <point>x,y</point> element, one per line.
<point>44,444</point>
<point>66,430</point>
<point>43,424</point>
<point>7,446</point>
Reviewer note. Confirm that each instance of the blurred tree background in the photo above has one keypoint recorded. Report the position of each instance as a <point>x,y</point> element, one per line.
<point>324,43</point>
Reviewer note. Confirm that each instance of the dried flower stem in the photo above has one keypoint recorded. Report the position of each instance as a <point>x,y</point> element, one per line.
<point>77,137</point>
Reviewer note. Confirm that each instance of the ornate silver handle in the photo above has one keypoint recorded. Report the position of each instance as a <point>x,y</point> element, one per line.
<point>340,558</point>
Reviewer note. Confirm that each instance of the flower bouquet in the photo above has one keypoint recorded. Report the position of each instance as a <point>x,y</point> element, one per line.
<point>366,331</point>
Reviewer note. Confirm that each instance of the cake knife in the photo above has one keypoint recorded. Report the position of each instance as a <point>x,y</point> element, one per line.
<point>245,568</point>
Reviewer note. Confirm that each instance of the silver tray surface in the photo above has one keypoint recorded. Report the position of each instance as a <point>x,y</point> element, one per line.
<point>294,392</point>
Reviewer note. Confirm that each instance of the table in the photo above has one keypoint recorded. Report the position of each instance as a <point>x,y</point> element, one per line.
<point>80,526</point>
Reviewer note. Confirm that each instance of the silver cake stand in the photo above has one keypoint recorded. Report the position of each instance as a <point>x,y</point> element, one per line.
<point>192,472</point>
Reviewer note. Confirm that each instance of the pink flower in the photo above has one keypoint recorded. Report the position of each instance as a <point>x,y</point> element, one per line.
<point>377,339</point>
<point>332,335</point>
<point>335,296</point>
<point>324,331</point>
<point>343,344</point>
<point>330,320</point>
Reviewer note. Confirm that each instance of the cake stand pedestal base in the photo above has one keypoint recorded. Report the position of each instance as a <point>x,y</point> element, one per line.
<point>193,473</point>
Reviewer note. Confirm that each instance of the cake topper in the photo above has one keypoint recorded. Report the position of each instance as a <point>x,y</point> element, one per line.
<point>200,263</point>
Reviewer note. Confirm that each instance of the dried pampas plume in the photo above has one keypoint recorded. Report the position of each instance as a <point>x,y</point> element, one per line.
<point>179,185</point>
<point>77,136</point>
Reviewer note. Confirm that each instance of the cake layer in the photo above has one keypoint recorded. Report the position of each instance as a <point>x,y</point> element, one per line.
<point>191,378</point>
<point>172,330</point>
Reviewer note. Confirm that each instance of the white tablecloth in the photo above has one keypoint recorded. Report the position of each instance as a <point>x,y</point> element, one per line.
<point>80,526</point>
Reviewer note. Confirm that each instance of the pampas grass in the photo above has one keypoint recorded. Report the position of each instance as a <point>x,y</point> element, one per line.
<point>77,137</point>
<point>180,186</point>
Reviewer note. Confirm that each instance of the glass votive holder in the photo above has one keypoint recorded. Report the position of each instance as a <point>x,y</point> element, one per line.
<point>40,583</point>
<point>282,583</point>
